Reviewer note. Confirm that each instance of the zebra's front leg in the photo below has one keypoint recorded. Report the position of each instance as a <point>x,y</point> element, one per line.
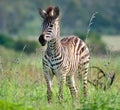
<point>48,79</point>
<point>62,80</point>
<point>72,87</point>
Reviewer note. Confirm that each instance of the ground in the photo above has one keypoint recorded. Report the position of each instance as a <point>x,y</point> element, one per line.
<point>22,85</point>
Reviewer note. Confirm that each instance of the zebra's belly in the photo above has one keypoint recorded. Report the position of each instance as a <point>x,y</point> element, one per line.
<point>64,68</point>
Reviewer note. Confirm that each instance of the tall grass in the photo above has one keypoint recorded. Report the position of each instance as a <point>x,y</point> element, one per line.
<point>22,86</point>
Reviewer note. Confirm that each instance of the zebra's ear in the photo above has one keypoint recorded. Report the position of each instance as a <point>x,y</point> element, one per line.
<point>56,12</point>
<point>42,13</point>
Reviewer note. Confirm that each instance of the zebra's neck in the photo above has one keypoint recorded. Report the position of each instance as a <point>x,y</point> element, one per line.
<point>53,47</point>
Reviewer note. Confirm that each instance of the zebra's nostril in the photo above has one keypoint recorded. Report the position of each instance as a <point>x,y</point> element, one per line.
<point>47,36</point>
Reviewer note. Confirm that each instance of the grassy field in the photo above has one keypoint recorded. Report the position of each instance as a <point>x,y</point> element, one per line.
<point>22,85</point>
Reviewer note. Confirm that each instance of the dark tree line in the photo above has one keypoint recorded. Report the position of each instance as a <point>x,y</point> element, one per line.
<point>15,15</point>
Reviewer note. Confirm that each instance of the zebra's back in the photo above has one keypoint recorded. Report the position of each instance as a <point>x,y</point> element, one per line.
<point>76,49</point>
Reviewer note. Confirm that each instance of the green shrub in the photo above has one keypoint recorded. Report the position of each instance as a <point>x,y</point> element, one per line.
<point>19,45</point>
<point>7,41</point>
<point>31,46</point>
<point>96,44</point>
<point>28,46</point>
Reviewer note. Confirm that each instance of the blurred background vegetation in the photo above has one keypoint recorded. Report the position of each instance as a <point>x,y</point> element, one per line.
<point>20,21</point>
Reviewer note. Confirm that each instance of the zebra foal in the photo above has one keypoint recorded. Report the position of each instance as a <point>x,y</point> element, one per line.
<point>63,57</point>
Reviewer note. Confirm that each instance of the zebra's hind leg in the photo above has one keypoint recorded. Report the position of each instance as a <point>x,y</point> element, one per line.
<point>83,70</point>
<point>85,76</point>
<point>72,87</point>
<point>48,79</point>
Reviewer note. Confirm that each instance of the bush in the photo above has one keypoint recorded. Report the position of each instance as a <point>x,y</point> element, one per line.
<point>6,41</point>
<point>94,42</point>
<point>18,45</point>
<point>28,46</point>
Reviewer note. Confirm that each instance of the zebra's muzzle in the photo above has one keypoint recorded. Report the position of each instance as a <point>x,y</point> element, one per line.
<point>42,40</point>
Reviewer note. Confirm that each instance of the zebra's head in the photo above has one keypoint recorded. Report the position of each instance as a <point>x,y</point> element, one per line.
<point>50,26</point>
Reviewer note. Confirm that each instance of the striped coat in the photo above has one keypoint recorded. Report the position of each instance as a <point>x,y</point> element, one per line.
<point>63,57</point>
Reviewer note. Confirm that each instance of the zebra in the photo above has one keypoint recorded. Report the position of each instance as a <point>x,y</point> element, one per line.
<point>62,57</point>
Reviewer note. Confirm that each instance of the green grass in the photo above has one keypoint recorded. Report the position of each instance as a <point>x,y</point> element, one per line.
<point>22,85</point>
